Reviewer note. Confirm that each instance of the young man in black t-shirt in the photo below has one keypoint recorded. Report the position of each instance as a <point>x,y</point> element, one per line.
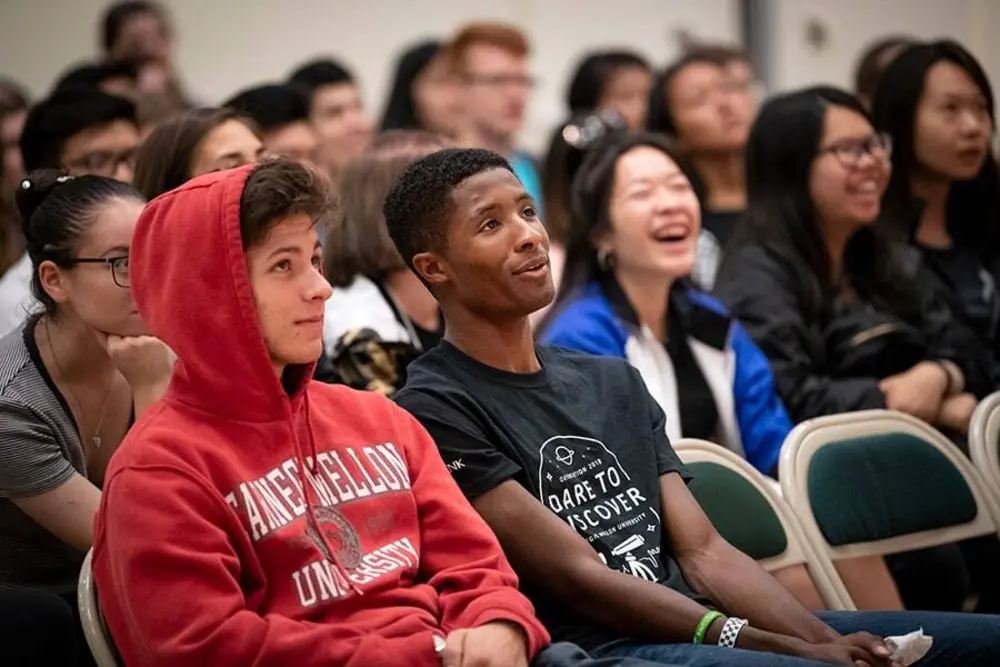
<point>566,458</point>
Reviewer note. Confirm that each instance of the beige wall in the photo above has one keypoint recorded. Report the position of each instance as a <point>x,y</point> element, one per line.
<point>853,24</point>
<point>227,44</point>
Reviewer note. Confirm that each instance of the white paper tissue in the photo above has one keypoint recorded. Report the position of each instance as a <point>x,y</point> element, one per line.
<point>907,649</point>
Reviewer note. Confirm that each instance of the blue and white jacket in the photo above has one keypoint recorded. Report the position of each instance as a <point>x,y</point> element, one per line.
<point>752,419</point>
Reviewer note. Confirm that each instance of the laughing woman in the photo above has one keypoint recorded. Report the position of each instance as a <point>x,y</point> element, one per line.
<point>630,248</point>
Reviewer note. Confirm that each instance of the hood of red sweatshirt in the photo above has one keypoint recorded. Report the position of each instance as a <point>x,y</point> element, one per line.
<point>191,286</point>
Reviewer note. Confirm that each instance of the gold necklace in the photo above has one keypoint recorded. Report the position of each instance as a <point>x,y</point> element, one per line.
<point>96,437</point>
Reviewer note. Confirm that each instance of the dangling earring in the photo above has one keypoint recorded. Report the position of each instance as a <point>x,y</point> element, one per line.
<point>606,260</point>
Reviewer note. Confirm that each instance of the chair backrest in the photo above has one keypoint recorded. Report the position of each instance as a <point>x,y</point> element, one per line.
<point>748,511</point>
<point>98,639</point>
<point>984,441</point>
<point>880,482</point>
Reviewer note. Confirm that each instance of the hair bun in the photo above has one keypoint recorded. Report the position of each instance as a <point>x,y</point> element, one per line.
<point>33,190</point>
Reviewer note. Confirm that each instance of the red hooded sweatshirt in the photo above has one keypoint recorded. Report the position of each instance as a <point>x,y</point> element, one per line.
<point>206,548</point>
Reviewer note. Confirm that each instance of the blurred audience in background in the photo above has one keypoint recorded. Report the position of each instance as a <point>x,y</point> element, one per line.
<point>616,80</point>
<point>491,61</point>
<point>706,101</point>
<point>872,63</point>
<point>425,93</point>
<point>195,142</point>
<point>281,116</point>
<point>337,112</point>
<point>758,262</point>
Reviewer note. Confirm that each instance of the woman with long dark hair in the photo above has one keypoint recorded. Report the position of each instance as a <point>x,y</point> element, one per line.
<point>631,246</point>
<point>936,104</point>
<point>848,321</point>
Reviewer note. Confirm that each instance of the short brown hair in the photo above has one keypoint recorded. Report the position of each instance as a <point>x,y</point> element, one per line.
<point>165,158</point>
<point>494,33</point>
<point>358,242</point>
<point>277,189</point>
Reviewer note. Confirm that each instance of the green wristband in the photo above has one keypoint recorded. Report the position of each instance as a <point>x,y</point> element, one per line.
<point>705,624</point>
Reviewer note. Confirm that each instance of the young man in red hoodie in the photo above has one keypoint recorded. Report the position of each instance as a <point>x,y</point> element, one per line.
<point>254,517</point>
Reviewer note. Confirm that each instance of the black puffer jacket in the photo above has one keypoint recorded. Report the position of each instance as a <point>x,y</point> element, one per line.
<point>831,361</point>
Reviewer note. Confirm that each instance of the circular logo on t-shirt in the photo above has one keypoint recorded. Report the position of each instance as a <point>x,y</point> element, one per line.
<point>340,535</point>
<point>583,482</point>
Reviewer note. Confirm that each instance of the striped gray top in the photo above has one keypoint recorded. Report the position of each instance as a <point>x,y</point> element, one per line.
<point>40,449</point>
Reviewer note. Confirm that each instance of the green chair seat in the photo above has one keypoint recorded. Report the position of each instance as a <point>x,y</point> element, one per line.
<point>881,486</point>
<point>738,511</point>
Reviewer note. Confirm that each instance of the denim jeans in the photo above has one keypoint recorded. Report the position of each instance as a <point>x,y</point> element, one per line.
<point>960,640</point>
<point>564,654</point>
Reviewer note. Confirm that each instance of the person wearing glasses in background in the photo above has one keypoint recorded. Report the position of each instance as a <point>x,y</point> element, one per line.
<point>78,132</point>
<point>848,320</point>
<point>491,61</point>
<point>73,378</point>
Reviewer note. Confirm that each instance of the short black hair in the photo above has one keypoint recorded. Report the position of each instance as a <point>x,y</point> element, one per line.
<point>419,202</point>
<point>90,76</point>
<point>53,121</point>
<point>323,72</point>
<point>272,106</point>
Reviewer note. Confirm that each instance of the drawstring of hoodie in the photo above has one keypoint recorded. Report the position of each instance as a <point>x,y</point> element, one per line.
<point>313,522</point>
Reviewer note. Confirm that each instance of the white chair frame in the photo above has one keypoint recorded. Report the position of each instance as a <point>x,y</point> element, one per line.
<point>799,551</point>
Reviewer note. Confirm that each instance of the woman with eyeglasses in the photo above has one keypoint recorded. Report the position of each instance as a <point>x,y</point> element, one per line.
<point>73,377</point>
<point>848,321</point>
<point>935,101</point>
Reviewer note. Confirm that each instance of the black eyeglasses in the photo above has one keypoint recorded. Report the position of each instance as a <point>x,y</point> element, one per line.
<point>850,151</point>
<point>102,163</point>
<point>118,265</point>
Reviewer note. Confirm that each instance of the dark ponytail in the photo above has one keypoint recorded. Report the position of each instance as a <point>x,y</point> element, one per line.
<point>56,210</point>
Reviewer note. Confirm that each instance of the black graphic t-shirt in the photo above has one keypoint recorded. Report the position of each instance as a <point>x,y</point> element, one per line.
<point>582,435</point>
